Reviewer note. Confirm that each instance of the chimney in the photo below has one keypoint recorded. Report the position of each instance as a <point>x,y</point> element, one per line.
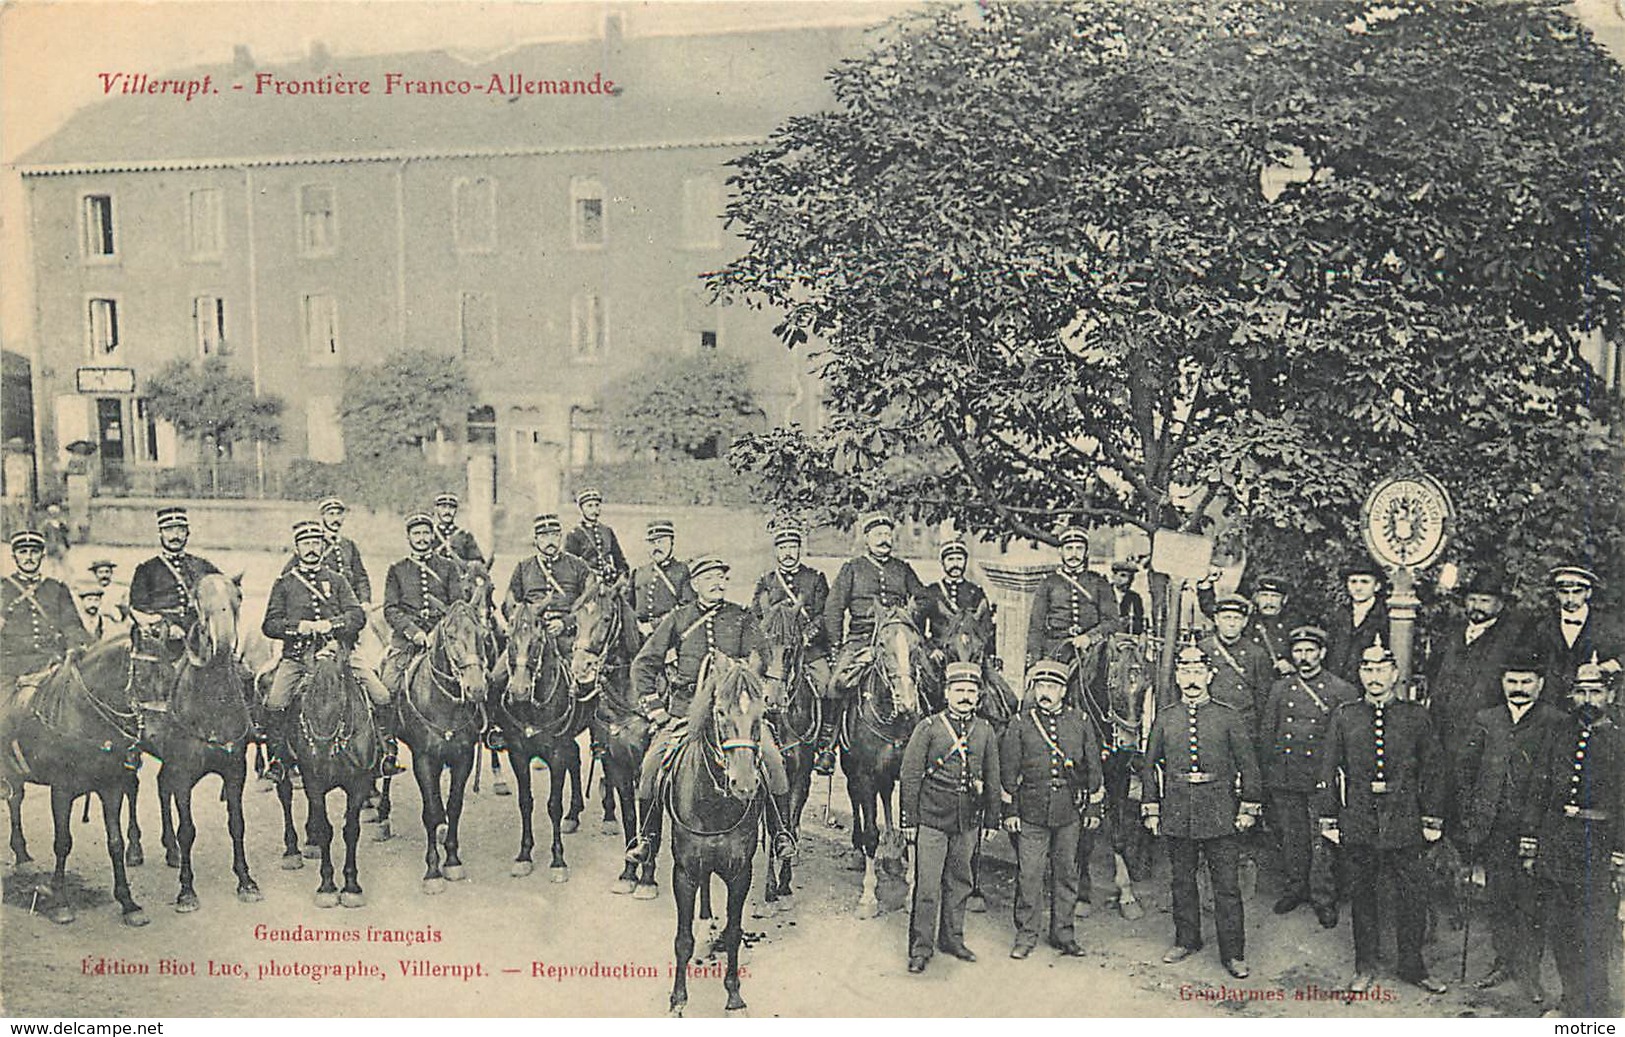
<point>614,28</point>
<point>320,58</point>
<point>242,59</point>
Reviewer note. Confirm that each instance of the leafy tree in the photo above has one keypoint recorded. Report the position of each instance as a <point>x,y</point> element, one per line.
<point>694,404</point>
<point>1063,257</point>
<point>214,406</point>
<point>398,405</point>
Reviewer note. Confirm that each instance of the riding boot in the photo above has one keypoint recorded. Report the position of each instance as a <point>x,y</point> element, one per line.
<point>829,724</point>
<point>780,836</point>
<point>647,843</point>
<point>276,745</point>
<point>389,762</point>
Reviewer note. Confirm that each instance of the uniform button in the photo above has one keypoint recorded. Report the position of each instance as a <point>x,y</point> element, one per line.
<point>1580,755</point>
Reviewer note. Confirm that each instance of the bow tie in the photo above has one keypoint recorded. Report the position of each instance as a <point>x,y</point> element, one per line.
<point>1573,622</point>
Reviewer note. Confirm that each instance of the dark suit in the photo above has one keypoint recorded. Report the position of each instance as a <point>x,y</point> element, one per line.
<point>1203,752</point>
<point>1131,607</point>
<point>1049,767</point>
<point>1599,633</point>
<point>950,788</point>
<point>1464,679</point>
<point>1066,605</point>
<point>417,592</point>
<point>1576,812</point>
<point>1392,775</point>
<point>1494,774</point>
<point>1347,641</point>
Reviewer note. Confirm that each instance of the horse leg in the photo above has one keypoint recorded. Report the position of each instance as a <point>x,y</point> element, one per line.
<point>572,765</point>
<point>19,844</point>
<point>352,895</point>
<point>170,787</point>
<point>498,784</point>
<point>62,845</point>
<point>382,832</point>
<point>133,857</point>
<point>427,773</point>
<point>1127,904</point>
<point>557,870</point>
<point>234,776</point>
<point>369,804</point>
<point>292,859</point>
<point>320,830</point>
<point>617,781</point>
<point>522,864</point>
<point>734,931</point>
<point>868,903</point>
<point>683,888</point>
<point>461,765</point>
<point>112,811</point>
<point>166,814</point>
<point>855,859</point>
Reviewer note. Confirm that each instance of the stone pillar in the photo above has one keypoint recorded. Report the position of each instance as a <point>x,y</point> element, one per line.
<point>549,475</point>
<point>1010,586</point>
<point>480,500</point>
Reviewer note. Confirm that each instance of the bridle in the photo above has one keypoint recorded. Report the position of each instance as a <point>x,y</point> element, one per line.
<point>446,673</point>
<point>561,684</point>
<point>882,679</point>
<point>714,757</point>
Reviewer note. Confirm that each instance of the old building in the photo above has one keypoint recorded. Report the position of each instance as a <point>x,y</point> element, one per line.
<point>543,213</point>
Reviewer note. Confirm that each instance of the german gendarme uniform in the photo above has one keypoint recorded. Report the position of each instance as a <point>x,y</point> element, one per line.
<point>1243,673</point>
<point>1049,767</point>
<point>556,583</point>
<point>595,544</point>
<point>1065,605</point>
<point>658,588</point>
<point>1199,774</point>
<point>1392,776</point>
<point>41,623</point>
<point>1293,729</point>
<point>950,789</point>
<point>1574,822</point>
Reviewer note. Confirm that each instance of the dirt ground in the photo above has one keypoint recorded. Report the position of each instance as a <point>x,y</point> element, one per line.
<point>817,959</point>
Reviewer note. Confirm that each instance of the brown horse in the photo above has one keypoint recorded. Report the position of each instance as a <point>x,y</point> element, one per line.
<point>205,730</point>
<point>439,719</point>
<point>715,795</point>
<point>75,733</point>
<point>606,641</point>
<point>793,706</point>
<point>337,747</point>
<point>878,725</point>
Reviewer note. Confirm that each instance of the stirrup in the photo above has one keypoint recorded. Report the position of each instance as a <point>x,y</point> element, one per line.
<point>276,772</point>
<point>641,849</point>
<point>494,739</point>
<point>824,760</point>
<point>785,848</point>
<point>389,766</point>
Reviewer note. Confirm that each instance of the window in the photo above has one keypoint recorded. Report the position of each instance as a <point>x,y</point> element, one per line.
<point>587,326</point>
<point>586,437</point>
<point>155,439</point>
<point>203,223</point>
<point>696,321</point>
<point>587,212</point>
<point>103,328</point>
<point>209,323</point>
<point>477,325</point>
<point>323,431</point>
<point>708,340</point>
<point>98,225</point>
<point>482,425</point>
<point>475,214</point>
<point>702,212</point>
<point>318,226</point>
<point>321,322</point>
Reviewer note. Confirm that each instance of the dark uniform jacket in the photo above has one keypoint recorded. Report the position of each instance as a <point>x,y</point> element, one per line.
<point>300,595</point>
<point>1495,768</point>
<point>1271,633</point>
<point>943,602</point>
<point>1131,607</point>
<point>689,634</point>
<point>1465,679</point>
<point>154,588</point>
<point>341,555</point>
<point>456,543</point>
<point>1346,641</point>
<point>41,624</point>
<point>1243,673</point>
<point>1202,751</point>
<point>1386,794</point>
<point>1047,761</point>
<point>596,545</point>
<point>811,591</point>
<point>1294,727</point>
<point>557,585</point>
<point>417,593</point>
<point>1576,802</point>
<point>860,587</point>
<point>1600,633</point>
<point>950,775</point>
<point>1065,606</point>
<point>658,588</point>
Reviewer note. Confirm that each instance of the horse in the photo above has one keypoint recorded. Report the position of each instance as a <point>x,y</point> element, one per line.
<point>877,726</point>
<point>793,706</point>
<point>205,730</point>
<point>337,747</point>
<point>1114,682</point>
<point>606,640</point>
<point>438,708</point>
<point>716,796</point>
<point>970,639</point>
<point>540,717</point>
<point>75,733</point>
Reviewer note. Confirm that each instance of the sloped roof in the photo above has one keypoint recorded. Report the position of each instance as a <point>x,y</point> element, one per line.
<point>673,90</point>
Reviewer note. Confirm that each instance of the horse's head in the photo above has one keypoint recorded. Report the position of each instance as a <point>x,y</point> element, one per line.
<point>527,640</point>
<point>601,627</point>
<point>784,630</point>
<point>899,656</point>
<point>460,638</point>
<point>730,702</point>
<point>969,637</point>
<point>1130,676</point>
<point>219,601</point>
